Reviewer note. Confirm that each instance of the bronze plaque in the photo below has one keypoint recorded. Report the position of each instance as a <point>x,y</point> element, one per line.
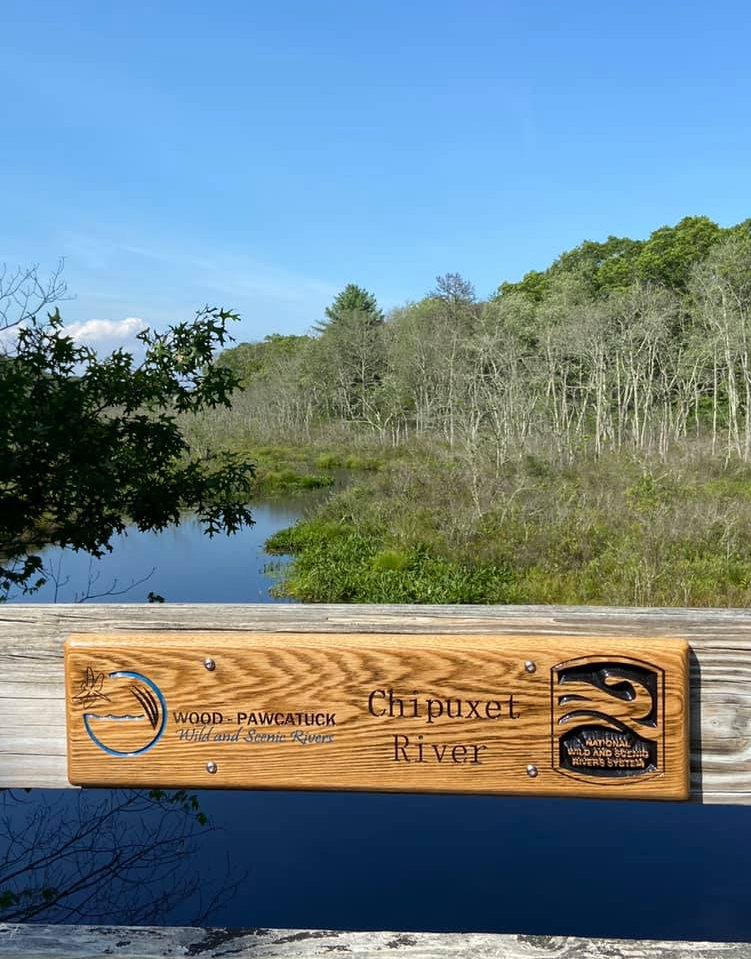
<point>515,715</point>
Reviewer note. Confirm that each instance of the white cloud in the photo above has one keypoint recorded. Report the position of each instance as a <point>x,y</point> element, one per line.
<point>103,336</point>
<point>97,331</point>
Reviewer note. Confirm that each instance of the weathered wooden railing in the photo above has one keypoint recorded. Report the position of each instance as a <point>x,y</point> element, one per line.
<point>66,942</point>
<point>33,746</point>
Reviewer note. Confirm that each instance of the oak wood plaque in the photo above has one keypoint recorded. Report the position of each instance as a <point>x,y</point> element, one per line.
<point>515,715</point>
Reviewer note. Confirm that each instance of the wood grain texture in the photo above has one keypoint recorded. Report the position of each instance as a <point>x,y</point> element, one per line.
<point>720,641</point>
<point>380,711</point>
<point>64,942</point>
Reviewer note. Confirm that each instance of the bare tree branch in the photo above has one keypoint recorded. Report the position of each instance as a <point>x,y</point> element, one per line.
<point>23,295</point>
<point>117,856</point>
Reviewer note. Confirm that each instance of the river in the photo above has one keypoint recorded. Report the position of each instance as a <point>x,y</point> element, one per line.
<point>181,564</point>
<point>351,860</point>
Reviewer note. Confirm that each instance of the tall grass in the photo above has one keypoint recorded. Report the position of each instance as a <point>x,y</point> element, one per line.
<point>619,530</point>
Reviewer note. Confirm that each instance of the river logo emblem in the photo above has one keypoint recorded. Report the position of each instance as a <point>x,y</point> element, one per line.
<point>607,719</point>
<point>124,712</point>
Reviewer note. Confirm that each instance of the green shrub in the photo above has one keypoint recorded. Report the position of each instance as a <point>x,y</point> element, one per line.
<point>290,481</point>
<point>335,564</point>
<point>390,559</point>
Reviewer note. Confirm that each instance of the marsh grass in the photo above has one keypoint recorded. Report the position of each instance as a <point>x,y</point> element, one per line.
<point>287,468</point>
<point>617,531</point>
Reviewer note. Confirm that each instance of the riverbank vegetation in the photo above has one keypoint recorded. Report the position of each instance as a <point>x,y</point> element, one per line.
<point>582,436</point>
<point>618,531</point>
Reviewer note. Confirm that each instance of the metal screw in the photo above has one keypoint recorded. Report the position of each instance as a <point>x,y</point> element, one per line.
<point>531,771</point>
<point>211,766</point>
<point>530,666</point>
<point>209,664</point>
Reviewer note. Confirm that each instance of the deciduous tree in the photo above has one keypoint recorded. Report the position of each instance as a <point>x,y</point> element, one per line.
<point>89,445</point>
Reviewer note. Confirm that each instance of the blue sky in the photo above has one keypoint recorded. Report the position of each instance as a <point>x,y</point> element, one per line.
<point>262,155</point>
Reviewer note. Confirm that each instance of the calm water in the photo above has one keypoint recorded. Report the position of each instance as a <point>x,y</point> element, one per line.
<point>181,564</point>
<point>357,860</point>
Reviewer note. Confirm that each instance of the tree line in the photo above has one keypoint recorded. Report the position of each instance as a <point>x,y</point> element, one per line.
<point>621,345</point>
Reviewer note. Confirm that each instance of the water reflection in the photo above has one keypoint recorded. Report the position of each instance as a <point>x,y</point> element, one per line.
<point>109,856</point>
<point>181,564</point>
<point>376,861</point>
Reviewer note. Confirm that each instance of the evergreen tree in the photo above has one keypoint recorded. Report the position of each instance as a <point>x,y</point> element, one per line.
<point>349,358</point>
<point>352,300</point>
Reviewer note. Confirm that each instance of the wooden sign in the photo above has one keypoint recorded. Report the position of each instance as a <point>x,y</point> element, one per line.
<point>521,715</point>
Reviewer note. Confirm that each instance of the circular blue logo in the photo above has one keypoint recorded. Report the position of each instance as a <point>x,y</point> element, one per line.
<point>131,713</point>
